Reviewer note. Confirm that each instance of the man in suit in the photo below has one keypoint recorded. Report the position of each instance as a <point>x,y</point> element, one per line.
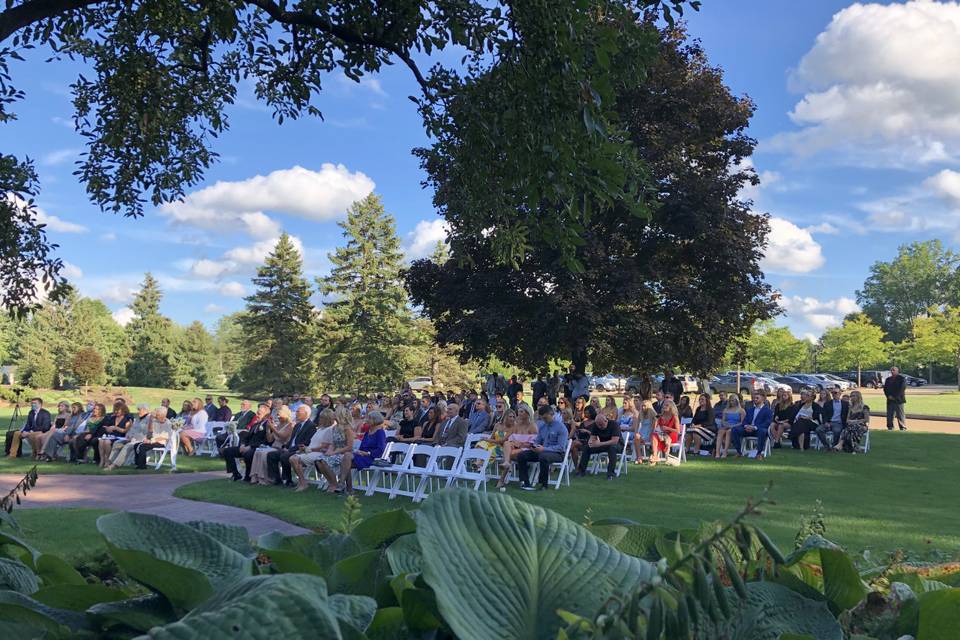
<point>833,416</point>
<point>895,388</point>
<point>243,420</point>
<point>38,422</point>
<point>755,424</point>
<point>672,385</point>
<point>278,461</point>
<point>255,436</point>
<point>452,432</point>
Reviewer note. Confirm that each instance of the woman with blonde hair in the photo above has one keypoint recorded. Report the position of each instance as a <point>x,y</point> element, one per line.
<point>666,433</point>
<point>332,440</point>
<point>277,435</point>
<point>609,404</point>
<point>628,415</point>
<point>858,422</point>
<point>646,420</point>
<point>733,416</point>
<point>520,438</point>
<point>195,428</point>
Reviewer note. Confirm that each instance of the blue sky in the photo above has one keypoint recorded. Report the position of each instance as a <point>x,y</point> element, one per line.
<point>859,147</point>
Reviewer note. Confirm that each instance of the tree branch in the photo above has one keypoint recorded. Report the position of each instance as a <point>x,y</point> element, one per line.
<point>22,15</point>
<point>305,19</point>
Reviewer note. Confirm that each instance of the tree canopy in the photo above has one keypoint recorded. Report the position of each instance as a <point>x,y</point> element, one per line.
<point>162,73</point>
<point>858,343</point>
<point>685,268</point>
<point>776,349</point>
<point>936,339</point>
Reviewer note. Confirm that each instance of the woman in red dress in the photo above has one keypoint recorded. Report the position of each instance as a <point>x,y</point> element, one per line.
<point>666,432</point>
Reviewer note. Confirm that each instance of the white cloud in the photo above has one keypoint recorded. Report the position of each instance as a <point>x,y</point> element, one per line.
<point>71,271</point>
<point>123,316</point>
<point>880,86</point>
<point>825,228</point>
<point>237,260</point>
<point>819,314</point>
<point>421,242</point>
<point>254,223</point>
<point>58,157</point>
<point>213,308</point>
<point>40,216</point>
<point>232,290</point>
<point>934,205</point>
<point>205,268</point>
<point>790,249</point>
<point>109,236</point>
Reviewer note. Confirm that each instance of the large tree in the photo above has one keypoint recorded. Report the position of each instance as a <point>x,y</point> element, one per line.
<point>936,339</point>
<point>154,349</point>
<point>278,327</point>
<point>161,74</point>
<point>923,275</point>
<point>776,349</point>
<point>228,348</point>
<point>366,324</point>
<point>669,286</point>
<point>197,344</point>
<point>856,344</point>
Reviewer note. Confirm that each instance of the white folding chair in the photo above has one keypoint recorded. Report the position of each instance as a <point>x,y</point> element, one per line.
<point>208,444</point>
<point>380,479</point>
<point>864,445</point>
<point>390,433</point>
<point>749,444</point>
<point>443,467</point>
<point>562,468</point>
<point>680,444</point>
<point>599,460</point>
<point>409,481</point>
<point>171,448</point>
<point>472,468</point>
<point>473,439</point>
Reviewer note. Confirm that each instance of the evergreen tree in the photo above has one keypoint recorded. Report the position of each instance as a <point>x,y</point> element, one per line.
<point>366,324</point>
<point>228,348</point>
<point>199,355</point>
<point>440,253</point>
<point>278,326</point>
<point>152,339</point>
<point>92,326</point>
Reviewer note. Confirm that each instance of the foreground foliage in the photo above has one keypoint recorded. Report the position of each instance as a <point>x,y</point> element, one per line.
<point>469,565</point>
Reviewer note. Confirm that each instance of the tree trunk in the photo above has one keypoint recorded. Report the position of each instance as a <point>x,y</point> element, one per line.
<point>859,381</point>
<point>579,359</point>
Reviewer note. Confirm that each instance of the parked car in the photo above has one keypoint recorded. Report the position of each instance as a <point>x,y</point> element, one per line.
<point>813,382</point>
<point>796,384</point>
<point>608,382</point>
<point>632,384</point>
<point>835,381</point>
<point>872,378</point>
<point>421,383</point>
<point>914,381</point>
<point>748,384</point>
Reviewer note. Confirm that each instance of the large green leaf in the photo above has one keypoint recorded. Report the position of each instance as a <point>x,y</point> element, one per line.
<point>837,578</point>
<point>383,527</point>
<point>404,555</point>
<point>76,597</point>
<point>232,536</point>
<point>323,551</point>
<point>770,612</point>
<point>53,570</point>
<point>16,576</point>
<point>180,562</point>
<point>633,539</point>
<point>16,608</point>
<point>6,538</point>
<point>501,568</point>
<point>360,574</point>
<point>939,615</point>
<point>140,614</point>
<point>353,612</point>
<point>288,606</point>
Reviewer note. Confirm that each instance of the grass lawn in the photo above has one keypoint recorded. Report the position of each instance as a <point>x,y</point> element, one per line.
<point>940,404</point>
<point>185,464</point>
<point>898,496</point>
<point>68,533</point>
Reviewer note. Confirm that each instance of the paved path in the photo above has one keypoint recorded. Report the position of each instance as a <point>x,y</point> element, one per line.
<point>144,494</point>
<point>878,423</point>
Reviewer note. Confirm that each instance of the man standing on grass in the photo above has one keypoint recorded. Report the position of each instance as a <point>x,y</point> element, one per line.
<point>895,388</point>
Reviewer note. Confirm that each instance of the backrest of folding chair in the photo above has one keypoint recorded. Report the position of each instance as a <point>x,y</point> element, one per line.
<point>390,433</point>
<point>685,421</point>
<point>472,439</point>
<point>446,458</point>
<point>473,455</point>
<point>427,450</point>
<point>393,450</point>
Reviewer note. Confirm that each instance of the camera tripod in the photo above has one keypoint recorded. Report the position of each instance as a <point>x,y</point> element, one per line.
<point>16,410</point>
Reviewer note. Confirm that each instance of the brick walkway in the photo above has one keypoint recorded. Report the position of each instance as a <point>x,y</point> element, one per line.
<point>144,494</point>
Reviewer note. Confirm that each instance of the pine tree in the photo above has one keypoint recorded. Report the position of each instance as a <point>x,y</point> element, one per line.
<point>198,348</point>
<point>278,326</point>
<point>441,253</point>
<point>366,324</point>
<point>92,326</point>
<point>152,339</point>
<point>228,348</point>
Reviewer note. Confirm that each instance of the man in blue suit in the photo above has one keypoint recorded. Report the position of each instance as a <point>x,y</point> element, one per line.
<point>756,424</point>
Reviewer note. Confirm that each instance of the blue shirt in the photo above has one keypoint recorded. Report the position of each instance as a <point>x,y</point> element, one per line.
<point>552,436</point>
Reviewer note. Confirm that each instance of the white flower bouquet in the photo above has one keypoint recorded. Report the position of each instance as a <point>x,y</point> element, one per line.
<point>177,424</point>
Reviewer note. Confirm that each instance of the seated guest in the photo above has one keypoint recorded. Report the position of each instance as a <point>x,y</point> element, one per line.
<point>604,438</point>
<point>783,410</point>
<point>823,397</point>
<point>452,432</point>
<point>165,404</point>
<point>582,433</point>
<point>806,418</point>
<point>38,423</point>
<point>408,430</point>
<point>243,420</point>
<point>666,432</point>
<point>111,431</point>
<point>278,434</point>
<point>579,411</point>
<point>479,421</point>
<point>520,436</point>
<point>278,461</point>
<point>223,412</point>
<point>91,437</point>
<point>498,437</point>
<point>209,408</point>
<point>733,416</point>
<point>371,446</point>
<point>756,422</point>
<point>195,428</point>
<point>307,456</point>
<point>834,415</point>
<point>644,433</point>
<point>255,436</point>
<point>858,422</point>
<point>548,447</point>
<point>123,450</point>
<point>684,410</point>
<point>658,403</point>
<point>721,404</point>
<point>611,404</point>
<point>628,416</point>
<point>703,430</point>
<point>159,433</point>
<point>64,435</point>
<point>84,435</point>
<point>428,430</point>
<point>56,432</point>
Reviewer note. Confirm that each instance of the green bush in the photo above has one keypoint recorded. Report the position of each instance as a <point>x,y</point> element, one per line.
<point>470,566</point>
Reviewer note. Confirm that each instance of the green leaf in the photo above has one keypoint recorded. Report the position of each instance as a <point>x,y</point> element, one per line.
<point>6,538</point>
<point>383,527</point>
<point>838,579</point>
<point>53,570</point>
<point>388,625</point>
<point>232,536</point>
<point>354,612</point>
<point>633,539</point>
<point>322,550</point>
<point>288,606</point>
<point>178,561</point>
<point>77,597</point>
<point>16,576</point>
<point>141,613</point>
<point>420,612</point>
<point>359,574</point>
<point>939,615</point>
<point>20,609</point>
<point>772,611</point>
<point>404,555</point>
<point>516,564</point>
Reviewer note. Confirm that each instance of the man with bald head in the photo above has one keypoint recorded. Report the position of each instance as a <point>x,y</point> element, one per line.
<point>278,460</point>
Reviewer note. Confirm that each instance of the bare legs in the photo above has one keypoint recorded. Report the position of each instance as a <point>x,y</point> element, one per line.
<point>723,443</point>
